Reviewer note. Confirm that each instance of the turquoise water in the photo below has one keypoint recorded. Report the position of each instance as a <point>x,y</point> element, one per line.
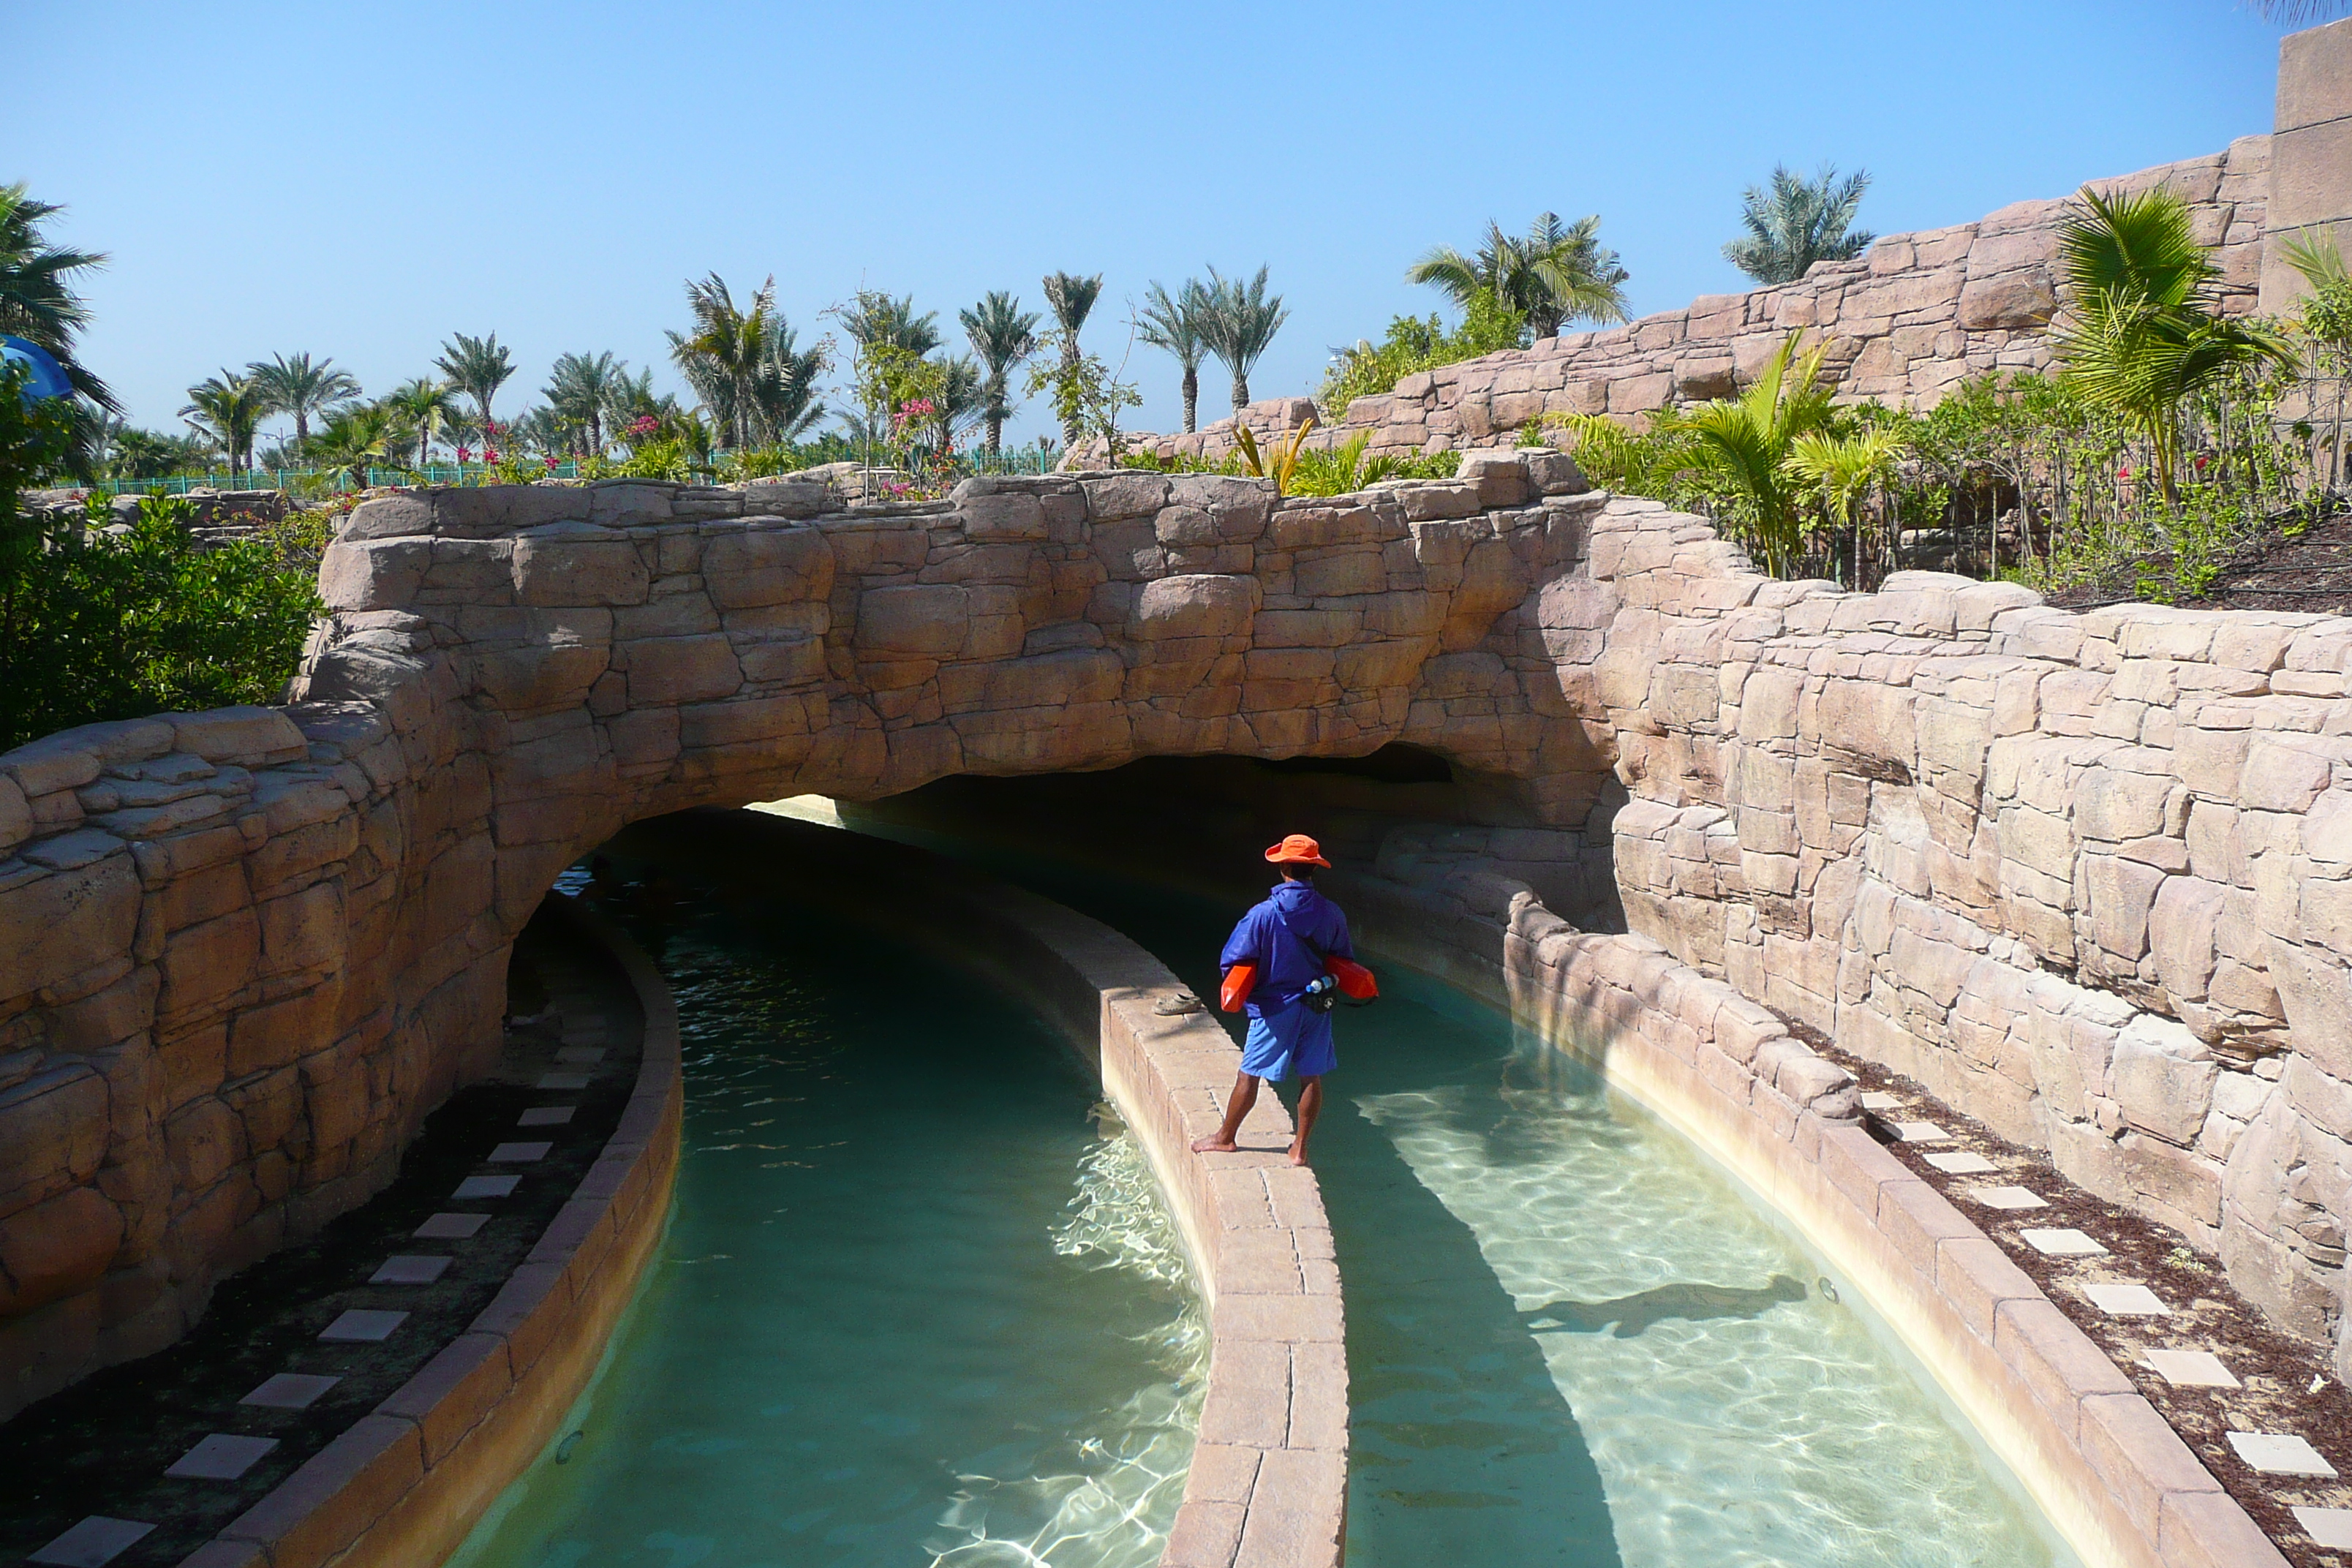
<point>919,1303</point>
<point>918,1308</point>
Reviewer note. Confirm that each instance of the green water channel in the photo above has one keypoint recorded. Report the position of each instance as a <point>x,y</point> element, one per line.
<point>916,1308</point>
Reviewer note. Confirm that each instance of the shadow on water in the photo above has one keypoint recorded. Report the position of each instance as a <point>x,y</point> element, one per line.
<point>1625,1316</point>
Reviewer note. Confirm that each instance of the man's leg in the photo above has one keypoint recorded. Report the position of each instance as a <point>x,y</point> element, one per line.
<point>1245,1096</point>
<point>1310,1105</point>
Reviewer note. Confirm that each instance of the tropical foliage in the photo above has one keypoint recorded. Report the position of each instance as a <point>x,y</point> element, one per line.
<point>758,384</point>
<point>1555,274</point>
<point>227,409</point>
<point>1238,323</point>
<point>1071,298</point>
<point>297,385</point>
<point>1793,222</point>
<point>1415,346</point>
<point>38,297</point>
<point>98,625</point>
<point>1175,323</point>
<point>1002,335</point>
<point>476,367</point>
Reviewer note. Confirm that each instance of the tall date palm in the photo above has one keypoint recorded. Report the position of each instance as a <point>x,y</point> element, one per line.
<point>426,406</point>
<point>1239,325</point>
<point>476,367</point>
<point>1556,274</point>
<point>744,365</point>
<point>228,407</point>
<point>302,387</point>
<point>1795,222</point>
<point>580,389</point>
<point>1174,322</point>
<point>1003,334</point>
<point>1071,299</point>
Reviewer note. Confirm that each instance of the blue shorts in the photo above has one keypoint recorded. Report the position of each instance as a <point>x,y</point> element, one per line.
<point>1295,1041</point>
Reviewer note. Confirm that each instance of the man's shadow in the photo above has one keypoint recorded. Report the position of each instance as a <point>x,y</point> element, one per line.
<point>1630,1315</point>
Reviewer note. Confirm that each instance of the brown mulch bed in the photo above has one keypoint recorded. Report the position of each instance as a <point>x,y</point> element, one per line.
<point>2278,1372</point>
<point>2309,574</point>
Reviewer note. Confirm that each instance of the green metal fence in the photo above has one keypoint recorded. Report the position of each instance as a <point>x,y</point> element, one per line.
<point>317,482</point>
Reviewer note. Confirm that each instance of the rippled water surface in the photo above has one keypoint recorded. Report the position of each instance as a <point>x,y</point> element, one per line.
<point>915,1306</point>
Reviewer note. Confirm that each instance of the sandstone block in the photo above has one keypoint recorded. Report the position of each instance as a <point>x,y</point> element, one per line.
<point>768,566</point>
<point>1195,606</point>
<point>664,670</point>
<point>578,565</point>
<point>924,620</point>
<point>56,1248</point>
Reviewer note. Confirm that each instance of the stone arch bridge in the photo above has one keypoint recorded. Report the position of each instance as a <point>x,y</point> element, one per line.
<point>2085,876</point>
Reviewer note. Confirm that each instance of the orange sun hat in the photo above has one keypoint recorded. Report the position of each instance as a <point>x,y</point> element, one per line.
<point>1297,849</point>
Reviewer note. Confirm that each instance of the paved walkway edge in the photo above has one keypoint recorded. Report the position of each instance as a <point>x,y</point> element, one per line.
<point>1268,1484</point>
<point>404,1485</point>
<point>2112,1476</point>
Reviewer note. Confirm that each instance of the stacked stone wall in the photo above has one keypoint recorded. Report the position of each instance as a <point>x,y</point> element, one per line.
<point>1903,322</point>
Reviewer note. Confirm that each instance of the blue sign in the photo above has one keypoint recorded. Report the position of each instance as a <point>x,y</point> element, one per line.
<point>46,378</point>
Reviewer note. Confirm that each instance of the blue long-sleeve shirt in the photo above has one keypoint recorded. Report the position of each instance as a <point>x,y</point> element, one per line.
<point>1284,963</point>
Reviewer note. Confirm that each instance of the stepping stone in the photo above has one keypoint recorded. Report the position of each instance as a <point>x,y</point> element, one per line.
<point>563,1080</point>
<point>362,1325</point>
<point>410,1268</point>
<point>586,1054</point>
<point>2191,1369</point>
<point>1962,1165</point>
<point>2127,1300</point>
<point>223,1456</point>
<point>519,1153</point>
<point>1919,1132</point>
<point>484,1188</point>
<point>451,1227</point>
<point>290,1391</point>
<point>2278,1453</point>
<point>2008,1198</point>
<point>2063,1244</point>
<point>94,1543</point>
<point>546,1116</point>
<point>2331,1527</point>
<point>1879,1100</point>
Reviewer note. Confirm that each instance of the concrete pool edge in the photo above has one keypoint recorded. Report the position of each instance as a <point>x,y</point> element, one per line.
<point>1267,1487</point>
<point>2113,1478</point>
<point>405,1483</point>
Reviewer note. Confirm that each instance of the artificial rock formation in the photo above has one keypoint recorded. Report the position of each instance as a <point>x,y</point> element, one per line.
<point>2080,874</point>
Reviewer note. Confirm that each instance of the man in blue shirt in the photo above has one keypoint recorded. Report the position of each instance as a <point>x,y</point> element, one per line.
<point>1287,938</point>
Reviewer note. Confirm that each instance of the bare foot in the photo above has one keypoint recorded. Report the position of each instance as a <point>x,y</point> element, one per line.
<point>1298,1155</point>
<point>1213,1144</point>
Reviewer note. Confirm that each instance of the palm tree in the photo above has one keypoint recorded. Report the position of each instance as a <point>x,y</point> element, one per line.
<point>580,389</point>
<point>38,301</point>
<point>2297,12</point>
<point>1239,323</point>
<point>878,321</point>
<point>301,388</point>
<point>1799,222</point>
<point>758,385</point>
<point>426,405</point>
<point>354,437</point>
<point>228,407</point>
<point>2143,330</point>
<point>1174,323</point>
<point>1003,334</point>
<point>476,367</point>
<point>1740,447</point>
<point>1556,274</point>
<point>1071,298</point>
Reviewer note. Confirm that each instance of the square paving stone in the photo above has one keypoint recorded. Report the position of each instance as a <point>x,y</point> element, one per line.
<point>2118,1300</point>
<point>92,1544</point>
<point>1962,1163</point>
<point>2008,1198</point>
<point>451,1227</point>
<point>409,1269</point>
<point>485,1187</point>
<point>2191,1369</point>
<point>2063,1244</point>
<point>223,1456</point>
<point>2331,1527</point>
<point>290,1391</point>
<point>546,1116</point>
<point>2279,1454</point>
<point>363,1325</point>
<point>519,1153</point>
<point>587,1054</point>
<point>1919,1132</point>
<point>563,1080</point>
<point>1879,1100</point>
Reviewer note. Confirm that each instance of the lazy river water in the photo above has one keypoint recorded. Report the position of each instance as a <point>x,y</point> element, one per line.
<point>914,1308</point>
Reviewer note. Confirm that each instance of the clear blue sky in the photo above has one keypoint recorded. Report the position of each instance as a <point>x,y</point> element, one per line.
<point>360,180</point>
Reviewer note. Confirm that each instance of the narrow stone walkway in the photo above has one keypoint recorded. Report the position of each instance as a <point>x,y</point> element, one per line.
<point>140,1465</point>
<point>2261,1411</point>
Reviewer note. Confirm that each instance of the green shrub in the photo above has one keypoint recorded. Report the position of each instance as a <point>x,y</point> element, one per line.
<point>1414,345</point>
<point>96,625</point>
